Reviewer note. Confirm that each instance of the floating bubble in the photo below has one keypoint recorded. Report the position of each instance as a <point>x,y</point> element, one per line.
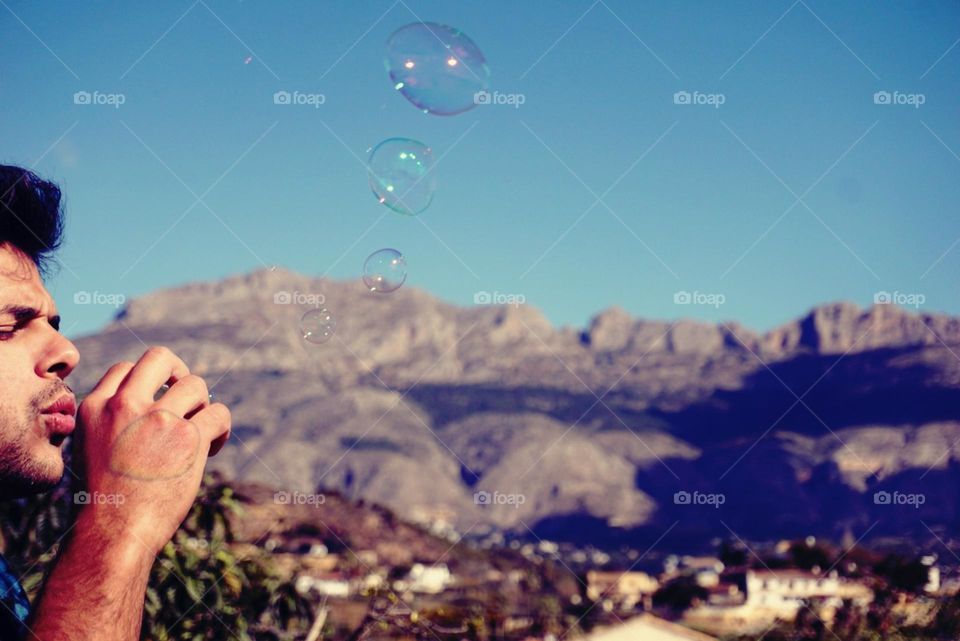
<point>384,271</point>
<point>437,68</point>
<point>317,325</point>
<point>399,172</point>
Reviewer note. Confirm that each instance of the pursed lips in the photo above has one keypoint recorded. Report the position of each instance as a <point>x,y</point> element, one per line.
<point>60,416</point>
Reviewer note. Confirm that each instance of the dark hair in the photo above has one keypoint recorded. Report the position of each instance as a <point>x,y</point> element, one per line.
<point>30,215</point>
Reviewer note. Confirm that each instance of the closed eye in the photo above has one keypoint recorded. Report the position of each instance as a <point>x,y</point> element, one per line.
<point>7,334</point>
<point>23,316</point>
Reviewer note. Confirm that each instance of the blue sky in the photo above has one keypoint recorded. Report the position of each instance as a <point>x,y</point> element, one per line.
<point>799,189</point>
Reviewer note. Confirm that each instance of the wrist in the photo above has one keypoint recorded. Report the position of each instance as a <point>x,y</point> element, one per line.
<point>97,585</point>
<point>111,540</point>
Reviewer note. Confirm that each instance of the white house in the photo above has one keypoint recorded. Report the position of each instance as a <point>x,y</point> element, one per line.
<point>327,586</point>
<point>771,595</point>
<point>785,590</point>
<point>431,579</point>
<point>933,573</point>
<point>625,589</point>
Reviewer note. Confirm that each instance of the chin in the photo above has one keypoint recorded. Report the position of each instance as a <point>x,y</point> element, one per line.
<point>32,460</point>
<point>43,471</point>
<point>49,466</point>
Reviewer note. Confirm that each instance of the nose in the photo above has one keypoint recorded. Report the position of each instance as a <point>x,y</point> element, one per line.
<point>59,359</point>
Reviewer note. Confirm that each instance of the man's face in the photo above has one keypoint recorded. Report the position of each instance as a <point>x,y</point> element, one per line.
<point>34,361</point>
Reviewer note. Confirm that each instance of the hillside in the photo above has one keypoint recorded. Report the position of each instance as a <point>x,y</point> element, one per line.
<point>419,405</point>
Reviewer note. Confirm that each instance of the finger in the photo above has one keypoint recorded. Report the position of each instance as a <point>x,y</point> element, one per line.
<point>157,366</point>
<point>214,425</point>
<point>187,396</point>
<point>107,386</point>
<point>217,444</point>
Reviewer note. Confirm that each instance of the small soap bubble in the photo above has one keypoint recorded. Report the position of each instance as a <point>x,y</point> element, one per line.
<point>384,271</point>
<point>399,172</point>
<point>317,325</point>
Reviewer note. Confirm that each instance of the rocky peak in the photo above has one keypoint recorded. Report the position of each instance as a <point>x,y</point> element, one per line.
<point>610,330</point>
<point>842,327</point>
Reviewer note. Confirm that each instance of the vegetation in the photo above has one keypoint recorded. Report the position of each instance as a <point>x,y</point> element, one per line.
<point>199,588</point>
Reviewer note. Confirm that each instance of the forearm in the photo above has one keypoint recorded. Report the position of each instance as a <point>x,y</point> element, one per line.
<point>96,589</point>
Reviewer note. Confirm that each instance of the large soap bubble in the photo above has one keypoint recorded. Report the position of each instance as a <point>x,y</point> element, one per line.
<point>437,68</point>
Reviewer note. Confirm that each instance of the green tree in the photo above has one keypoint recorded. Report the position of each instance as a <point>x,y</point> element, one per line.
<point>199,587</point>
<point>807,557</point>
<point>909,575</point>
<point>808,625</point>
<point>847,621</point>
<point>679,594</point>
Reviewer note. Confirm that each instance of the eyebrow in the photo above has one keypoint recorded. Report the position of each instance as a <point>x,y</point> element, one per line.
<point>24,314</point>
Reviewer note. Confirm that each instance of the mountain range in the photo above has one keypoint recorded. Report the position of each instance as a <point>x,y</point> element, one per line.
<point>844,421</point>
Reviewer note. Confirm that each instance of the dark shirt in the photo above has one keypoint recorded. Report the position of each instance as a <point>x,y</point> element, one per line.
<point>14,605</point>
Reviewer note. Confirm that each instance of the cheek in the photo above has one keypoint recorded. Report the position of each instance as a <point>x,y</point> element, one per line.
<point>14,426</point>
<point>19,383</point>
<point>17,411</point>
<point>18,360</point>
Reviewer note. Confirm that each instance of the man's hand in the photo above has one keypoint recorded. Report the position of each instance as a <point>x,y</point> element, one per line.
<point>147,455</point>
<point>143,462</point>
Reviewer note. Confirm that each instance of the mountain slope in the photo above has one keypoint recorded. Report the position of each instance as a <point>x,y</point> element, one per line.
<point>421,405</point>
